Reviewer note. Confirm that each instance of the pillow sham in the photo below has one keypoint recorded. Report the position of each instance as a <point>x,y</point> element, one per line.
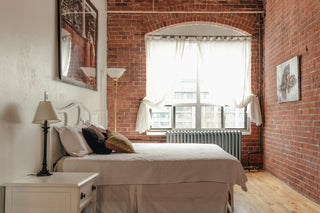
<point>72,141</point>
<point>118,142</point>
<point>95,138</point>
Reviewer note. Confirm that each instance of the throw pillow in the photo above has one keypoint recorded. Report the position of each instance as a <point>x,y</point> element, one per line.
<point>95,138</point>
<point>72,141</point>
<point>118,142</point>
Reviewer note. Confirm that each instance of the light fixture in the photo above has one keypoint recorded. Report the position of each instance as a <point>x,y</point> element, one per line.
<point>45,114</point>
<point>115,73</point>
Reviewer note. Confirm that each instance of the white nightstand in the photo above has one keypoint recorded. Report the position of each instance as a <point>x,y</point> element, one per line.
<point>62,192</point>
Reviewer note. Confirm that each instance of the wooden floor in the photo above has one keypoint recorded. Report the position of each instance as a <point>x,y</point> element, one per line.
<point>267,194</point>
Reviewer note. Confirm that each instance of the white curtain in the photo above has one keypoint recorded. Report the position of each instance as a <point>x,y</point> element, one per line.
<point>163,68</point>
<point>222,65</point>
<point>224,70</point>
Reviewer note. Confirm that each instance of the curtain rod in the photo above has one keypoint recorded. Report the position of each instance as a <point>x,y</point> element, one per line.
<point>191,12</point>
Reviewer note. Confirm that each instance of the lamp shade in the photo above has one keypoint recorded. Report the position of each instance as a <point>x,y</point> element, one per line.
<point>115,72</point>
<point>45,112</point>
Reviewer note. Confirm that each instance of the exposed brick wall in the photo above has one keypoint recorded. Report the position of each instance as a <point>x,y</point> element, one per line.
<point>126,48</point>
<point>292,130</point>
<point>184,5</point>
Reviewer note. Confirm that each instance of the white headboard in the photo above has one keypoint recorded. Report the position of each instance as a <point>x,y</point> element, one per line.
<point>70,115</point>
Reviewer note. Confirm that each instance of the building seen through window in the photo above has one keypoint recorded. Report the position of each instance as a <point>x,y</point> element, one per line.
<point>183,114</point>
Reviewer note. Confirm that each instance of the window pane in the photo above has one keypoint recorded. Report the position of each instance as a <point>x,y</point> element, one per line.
<point>161,118</point>
<point>185,117</point>
<point>234,117</point>
<point>205,94</point>
<point>185,91</point>
<point>210,117</point>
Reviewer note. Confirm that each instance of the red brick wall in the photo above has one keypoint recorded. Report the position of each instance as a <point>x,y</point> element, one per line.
<point>291,133</point>
<point>126,48</point>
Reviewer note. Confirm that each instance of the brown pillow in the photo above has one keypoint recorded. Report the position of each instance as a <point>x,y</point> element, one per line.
<point>95,138</point>
<point>118,142</point>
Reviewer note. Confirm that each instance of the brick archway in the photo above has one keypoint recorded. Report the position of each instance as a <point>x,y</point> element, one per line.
<point>236,22</point>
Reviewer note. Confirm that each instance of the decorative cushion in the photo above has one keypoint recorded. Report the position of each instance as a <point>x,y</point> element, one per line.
<point>72,141</point>
<point>95,138</point>
<point>118,142</point>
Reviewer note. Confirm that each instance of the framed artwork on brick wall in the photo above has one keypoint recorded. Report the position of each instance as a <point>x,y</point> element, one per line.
<point>78,32</point>
<point>288,88</point>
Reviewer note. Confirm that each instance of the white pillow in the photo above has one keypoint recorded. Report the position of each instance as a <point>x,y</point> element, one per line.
<point>72,141</point>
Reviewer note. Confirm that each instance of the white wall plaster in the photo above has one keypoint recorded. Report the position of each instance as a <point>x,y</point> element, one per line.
<point>28,67</point>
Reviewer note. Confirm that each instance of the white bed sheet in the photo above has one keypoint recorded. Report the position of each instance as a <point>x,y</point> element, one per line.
<point>161,163</point>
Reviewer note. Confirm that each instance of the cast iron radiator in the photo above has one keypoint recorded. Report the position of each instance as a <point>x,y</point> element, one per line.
<point>230,141</point>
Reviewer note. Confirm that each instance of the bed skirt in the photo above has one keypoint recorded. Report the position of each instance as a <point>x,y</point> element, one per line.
<point>201,197</point>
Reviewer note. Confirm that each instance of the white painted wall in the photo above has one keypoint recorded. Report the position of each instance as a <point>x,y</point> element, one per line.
<point>28,67</point>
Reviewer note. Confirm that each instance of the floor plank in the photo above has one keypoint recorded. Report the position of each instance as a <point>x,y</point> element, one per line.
<point>267,194</point>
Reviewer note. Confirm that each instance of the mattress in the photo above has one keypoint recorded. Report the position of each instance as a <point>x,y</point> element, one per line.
<point>160,163</point>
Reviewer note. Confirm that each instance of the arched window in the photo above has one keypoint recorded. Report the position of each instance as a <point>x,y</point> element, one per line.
<point>196,82</point>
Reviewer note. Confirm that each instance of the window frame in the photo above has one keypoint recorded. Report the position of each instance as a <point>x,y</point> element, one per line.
<point>198,119</point>
<point>198,105</point>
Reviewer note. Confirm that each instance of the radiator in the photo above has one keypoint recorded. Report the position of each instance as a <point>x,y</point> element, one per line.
<point>230,141</point>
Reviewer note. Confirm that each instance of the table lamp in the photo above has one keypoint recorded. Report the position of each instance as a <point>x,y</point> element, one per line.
<point>45,114</point>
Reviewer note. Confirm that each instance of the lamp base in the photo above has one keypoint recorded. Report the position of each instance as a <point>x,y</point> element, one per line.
<point>44,173</point>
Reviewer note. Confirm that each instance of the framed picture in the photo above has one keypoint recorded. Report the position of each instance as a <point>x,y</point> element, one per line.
<point>288,80</point>
<point>78,29</point>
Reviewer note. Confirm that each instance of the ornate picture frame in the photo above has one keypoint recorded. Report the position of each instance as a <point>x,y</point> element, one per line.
<point>288,80</point>
<point>78,35</point>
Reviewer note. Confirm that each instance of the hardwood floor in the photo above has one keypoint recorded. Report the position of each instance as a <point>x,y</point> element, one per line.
<point>267,194</point>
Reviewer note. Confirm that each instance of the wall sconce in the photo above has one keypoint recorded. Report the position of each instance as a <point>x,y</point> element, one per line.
<point>115,73</point>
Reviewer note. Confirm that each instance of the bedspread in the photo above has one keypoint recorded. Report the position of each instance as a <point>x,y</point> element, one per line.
<point>160,163</point>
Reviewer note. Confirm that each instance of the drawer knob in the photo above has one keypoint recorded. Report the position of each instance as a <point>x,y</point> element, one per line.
<point>82,195</point>
<point>94,187</point>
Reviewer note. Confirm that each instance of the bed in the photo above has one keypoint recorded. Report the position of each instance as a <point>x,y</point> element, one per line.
<point>157,178</point>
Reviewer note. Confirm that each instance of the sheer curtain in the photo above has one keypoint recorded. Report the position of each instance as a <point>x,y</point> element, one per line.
<point>163,68</point>
<point>222,66</point>
<point>224,70</point>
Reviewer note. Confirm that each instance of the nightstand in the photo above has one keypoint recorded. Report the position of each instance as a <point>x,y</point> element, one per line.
<point>62,192</point>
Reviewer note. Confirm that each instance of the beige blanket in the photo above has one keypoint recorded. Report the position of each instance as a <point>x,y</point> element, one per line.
<point>161,163</point>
